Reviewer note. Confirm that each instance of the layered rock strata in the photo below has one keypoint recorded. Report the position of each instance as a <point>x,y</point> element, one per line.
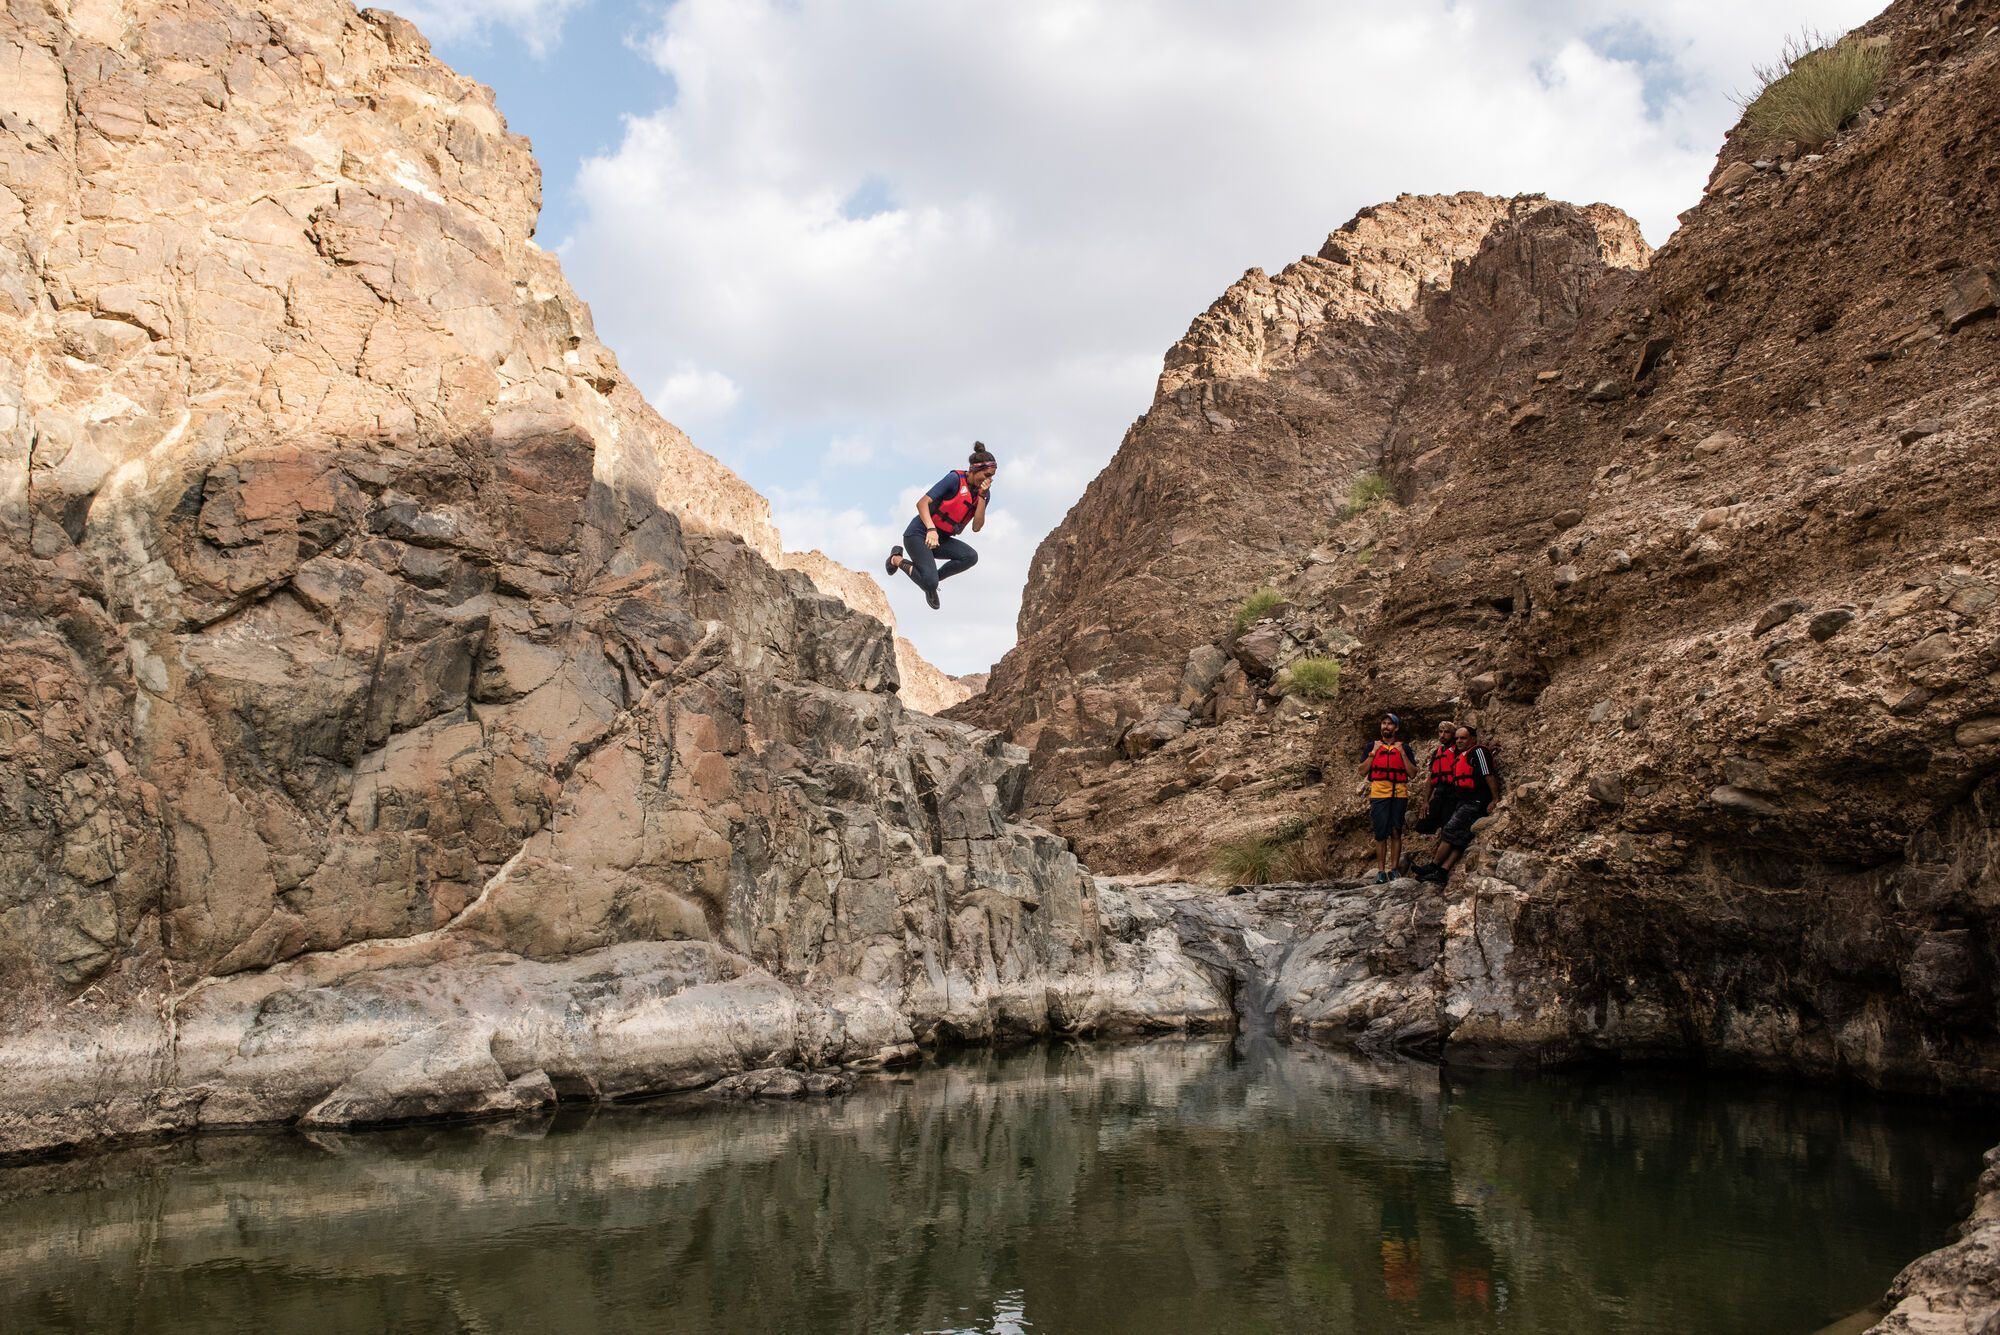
<point>923,686</point>
<point>401,718</point>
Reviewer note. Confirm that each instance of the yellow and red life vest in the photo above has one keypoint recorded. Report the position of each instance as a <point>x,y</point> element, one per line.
<point>953,513</point>
<point>1388,771</point>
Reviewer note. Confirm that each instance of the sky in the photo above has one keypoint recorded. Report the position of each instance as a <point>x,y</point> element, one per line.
<point>837,241</point>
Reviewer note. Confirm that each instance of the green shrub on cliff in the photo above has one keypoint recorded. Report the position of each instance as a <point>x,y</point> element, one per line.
<point>1313,678</point>
<point>1368,491</point>
<point>1256,607</point>
<point>1815,86</point>
<point>1261,859</point>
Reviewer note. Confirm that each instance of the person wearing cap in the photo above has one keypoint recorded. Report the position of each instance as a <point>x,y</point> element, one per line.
<point>955,504</point>
<point>1390,764</point>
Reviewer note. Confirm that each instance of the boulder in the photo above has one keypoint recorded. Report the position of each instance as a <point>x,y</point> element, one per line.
<point>1981,731</point>
<point>1777,614</point>
<point>1748,775</point>
<point>1946,972</point>
<point>1264,648</point>
<point>448,1071</point>
<point>1743,803</point>
<point>1933,648</point>
<point>1205,663</point>
<point>1153,732</point>
<point>1731,179</point>
<point>1974,295</point>
<point>1829,623</point>
<point>1966,594</point>
<point>1903,701</point>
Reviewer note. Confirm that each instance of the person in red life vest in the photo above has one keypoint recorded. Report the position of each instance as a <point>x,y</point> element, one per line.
<point>1391,765</point>
<point>956,503</point>
<point>1439,794</point>
<point>1477,786</point>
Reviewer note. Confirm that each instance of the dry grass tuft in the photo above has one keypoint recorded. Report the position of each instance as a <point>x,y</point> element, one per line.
<point>1256,607</point>
<point>1815,88</point>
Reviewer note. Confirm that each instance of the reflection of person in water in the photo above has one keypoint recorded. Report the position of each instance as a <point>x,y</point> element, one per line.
<point>1470,1261</point>
<point>1402,1257</point>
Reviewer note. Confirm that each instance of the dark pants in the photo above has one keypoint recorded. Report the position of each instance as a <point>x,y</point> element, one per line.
<point>1442,801</point>
<point>1458,830</point>
<point>923,568</point>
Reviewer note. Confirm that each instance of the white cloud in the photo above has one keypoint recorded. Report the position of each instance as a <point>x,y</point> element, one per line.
<point>538,23</point>
<point>894,226</point>
<point>696,399</point>
<point>844,452</point>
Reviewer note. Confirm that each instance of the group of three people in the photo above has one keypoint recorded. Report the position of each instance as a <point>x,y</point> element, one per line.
<point>1459,787</point>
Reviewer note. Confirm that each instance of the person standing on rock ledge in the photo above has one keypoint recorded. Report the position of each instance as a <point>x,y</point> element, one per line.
<point>1390,765</point>
<point>956,503</point>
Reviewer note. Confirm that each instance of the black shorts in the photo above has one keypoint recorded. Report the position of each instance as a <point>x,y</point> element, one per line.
<point>1458,830</point>
<point>1440,810</point>
<point>1386,815</point>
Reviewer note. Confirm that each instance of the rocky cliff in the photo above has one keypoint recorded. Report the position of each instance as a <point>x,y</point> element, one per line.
<point>1705,543</point>
<point>1279,400</point>
<point>401,718</point>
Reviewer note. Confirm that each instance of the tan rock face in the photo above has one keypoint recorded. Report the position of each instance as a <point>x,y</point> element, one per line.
<point>368,640</point>
<point>1720,591</point>
<point>924,687</point>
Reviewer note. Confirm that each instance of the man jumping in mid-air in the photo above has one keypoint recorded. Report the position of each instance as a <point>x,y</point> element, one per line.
<point>956,503</point>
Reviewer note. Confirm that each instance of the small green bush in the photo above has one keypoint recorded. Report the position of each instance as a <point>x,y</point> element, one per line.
<point>1256,607</point>
<point>1314,678</point>
<point>1261,859</point>
<point>1813,89</point>
<point>1368,491</point>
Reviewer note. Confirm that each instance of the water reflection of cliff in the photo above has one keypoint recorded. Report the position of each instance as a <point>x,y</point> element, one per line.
<point>1187,1186</point>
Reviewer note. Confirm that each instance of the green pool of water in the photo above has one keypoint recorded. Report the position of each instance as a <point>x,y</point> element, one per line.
<point>1198,1186</point>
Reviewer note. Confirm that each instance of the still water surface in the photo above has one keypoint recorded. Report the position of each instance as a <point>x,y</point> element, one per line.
<point>1201,1186</point>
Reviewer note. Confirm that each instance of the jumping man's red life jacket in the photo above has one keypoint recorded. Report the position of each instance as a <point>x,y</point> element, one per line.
<point>955,512</point>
